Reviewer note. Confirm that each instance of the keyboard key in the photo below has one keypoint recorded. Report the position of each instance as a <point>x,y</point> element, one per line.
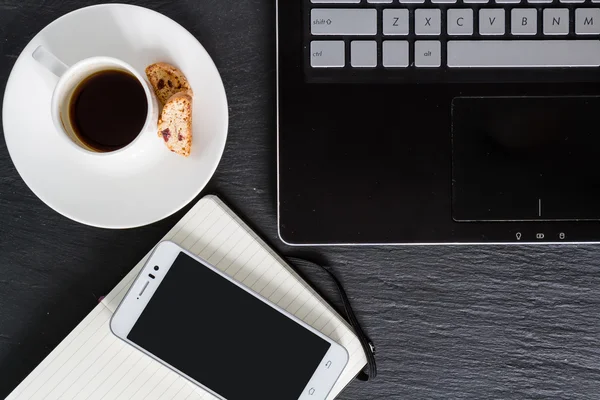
<point>395,53</point>
<point>523,53</point>
<point>572,1</point>
<point>327,54</point>
<point>508,1</point>
<point>335,1</point>
<point>443,1</point>
<point>339,21</point>
<point>363,53</point>
<point>428,53</point>
<point>460,21</point>
<point>587,21</point>
<point>417,1</point>
<point>524,21</point>
<point>556,21</point>
<point>379,1</point>
<point>476,1</point>
<point>428,21</point>
<point>491,21</point>
<point>395,21</point>
<point>539,1</point>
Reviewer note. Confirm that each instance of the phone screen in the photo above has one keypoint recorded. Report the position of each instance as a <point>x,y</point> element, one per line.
<point>225,338</point>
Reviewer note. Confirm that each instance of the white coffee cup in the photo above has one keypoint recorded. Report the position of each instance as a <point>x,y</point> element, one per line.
<point>69,79</point>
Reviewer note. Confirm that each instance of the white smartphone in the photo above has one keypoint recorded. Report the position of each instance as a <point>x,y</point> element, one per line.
<point>222,336</point>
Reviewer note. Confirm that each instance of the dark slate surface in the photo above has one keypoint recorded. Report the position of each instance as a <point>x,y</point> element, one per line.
<point>449,322</point>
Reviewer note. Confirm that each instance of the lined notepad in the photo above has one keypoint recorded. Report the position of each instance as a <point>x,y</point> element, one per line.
<point>92,364</point>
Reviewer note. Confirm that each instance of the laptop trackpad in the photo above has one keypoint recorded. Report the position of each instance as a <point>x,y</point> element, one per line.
<point>526,158</point>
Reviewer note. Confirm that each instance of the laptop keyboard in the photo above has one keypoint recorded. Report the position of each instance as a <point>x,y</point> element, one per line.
<point>452,34</point>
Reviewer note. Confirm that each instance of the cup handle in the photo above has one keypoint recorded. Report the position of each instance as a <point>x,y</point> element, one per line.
<point>49,61</point>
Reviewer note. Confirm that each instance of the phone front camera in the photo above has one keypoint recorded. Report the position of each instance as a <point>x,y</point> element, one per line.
<point>156,268</point>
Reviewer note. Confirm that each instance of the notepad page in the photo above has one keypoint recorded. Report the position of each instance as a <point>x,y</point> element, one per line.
<point>93,364</point>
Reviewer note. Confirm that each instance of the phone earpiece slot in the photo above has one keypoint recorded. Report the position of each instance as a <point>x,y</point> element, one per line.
<point>144,288</point>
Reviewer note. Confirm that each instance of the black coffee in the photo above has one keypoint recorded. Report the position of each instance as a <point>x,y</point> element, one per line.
<point>108,110</point>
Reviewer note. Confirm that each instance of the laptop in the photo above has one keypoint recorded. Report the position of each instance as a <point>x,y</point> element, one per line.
<point>438,121</point>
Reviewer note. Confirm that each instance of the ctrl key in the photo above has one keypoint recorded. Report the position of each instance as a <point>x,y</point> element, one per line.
<point>327,54</point>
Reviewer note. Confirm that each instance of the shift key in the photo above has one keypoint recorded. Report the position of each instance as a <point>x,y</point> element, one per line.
<point>327,54</point>
<point>342,21</point>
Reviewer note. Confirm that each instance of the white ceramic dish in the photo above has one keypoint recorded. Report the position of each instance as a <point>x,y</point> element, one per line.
<point>99,191</point>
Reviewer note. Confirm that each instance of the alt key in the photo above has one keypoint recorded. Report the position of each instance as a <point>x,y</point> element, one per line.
<point>428,53</point>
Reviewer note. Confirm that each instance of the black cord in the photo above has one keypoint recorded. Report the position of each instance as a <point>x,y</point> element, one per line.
<point>366,343</point>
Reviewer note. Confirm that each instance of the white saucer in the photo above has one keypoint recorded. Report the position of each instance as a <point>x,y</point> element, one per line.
<point>91,192</point>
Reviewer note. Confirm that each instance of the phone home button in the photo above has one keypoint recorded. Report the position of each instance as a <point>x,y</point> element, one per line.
<point>311,391</point>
